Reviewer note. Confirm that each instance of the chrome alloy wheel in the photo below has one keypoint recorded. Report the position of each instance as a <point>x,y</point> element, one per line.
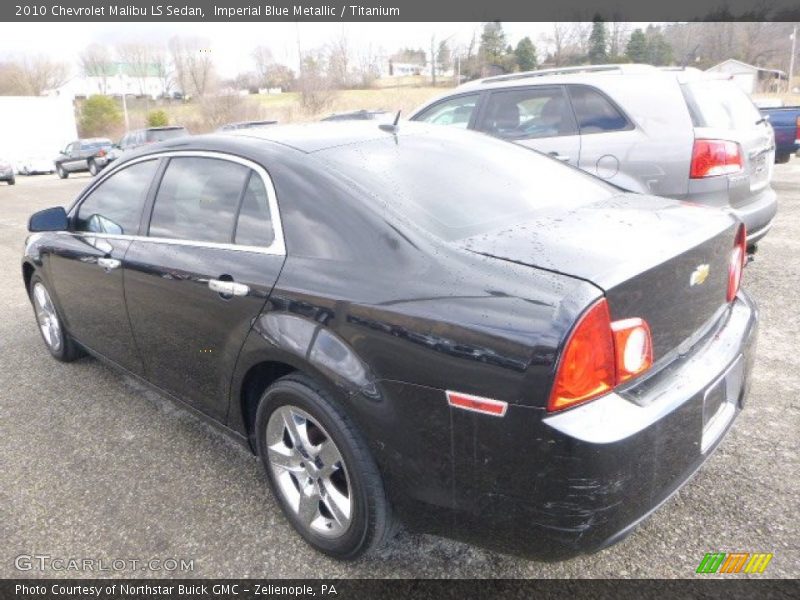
<point>47,318</point>
<point>309,471</point>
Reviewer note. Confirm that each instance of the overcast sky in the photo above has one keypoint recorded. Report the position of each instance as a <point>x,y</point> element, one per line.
<point>231,43</point>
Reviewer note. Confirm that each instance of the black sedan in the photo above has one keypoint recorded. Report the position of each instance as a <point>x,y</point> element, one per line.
<point>412,324</point>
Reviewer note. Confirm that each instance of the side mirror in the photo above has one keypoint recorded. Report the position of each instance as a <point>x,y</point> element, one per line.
<point>49,219</point>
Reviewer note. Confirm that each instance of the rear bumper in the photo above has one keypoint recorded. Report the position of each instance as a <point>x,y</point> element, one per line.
<point>578,481</point>
<point>756,212</point>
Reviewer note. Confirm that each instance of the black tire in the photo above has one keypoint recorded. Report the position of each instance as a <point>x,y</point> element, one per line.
<point>371,523</point>
<point>93,170</point>
<point>67,350</point>
<point>781,159</point>
<point>61,172</point>
<point>12,181</point>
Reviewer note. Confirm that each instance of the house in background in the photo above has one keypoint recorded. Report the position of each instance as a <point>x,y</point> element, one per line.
<point>120,78</point>
<point>752,79</point>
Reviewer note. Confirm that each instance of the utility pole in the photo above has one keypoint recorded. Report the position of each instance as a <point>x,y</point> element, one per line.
<point>433,60</point>
<point>791,59</point>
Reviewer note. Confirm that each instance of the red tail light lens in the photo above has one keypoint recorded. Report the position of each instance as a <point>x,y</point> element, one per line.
<point>736,265</point>
<point>715,157</point>
<point>101,153</point>
<point>797,135</point>
<point>587,367</point>
<point>633,346</point>
<point>599,355</point>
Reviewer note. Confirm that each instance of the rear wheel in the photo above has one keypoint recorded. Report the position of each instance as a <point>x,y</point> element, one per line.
<point>782,158</point>
<point>320,469</point>
<point>93,168</point>
<point>12,181</point>
<point>62,173</point>
<point>55,337</point>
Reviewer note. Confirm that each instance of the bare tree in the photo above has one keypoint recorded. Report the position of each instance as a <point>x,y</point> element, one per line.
<point>37,74</point>
<point>316,91</point>
<point>618,34</point>
<point>161,68</point>
<point>339,61</point>
<point>194,67</point>
<point>262,57</point>
<point>96,61</point>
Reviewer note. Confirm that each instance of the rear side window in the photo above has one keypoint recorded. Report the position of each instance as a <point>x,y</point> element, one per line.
<point>159,135</point>
<point>595,112</point>
<point>721,105</point>
<point>529,113</point>
<point>198,199</point>
<point>455,112</point>
<point>115,206</point>
<point>254,226</point>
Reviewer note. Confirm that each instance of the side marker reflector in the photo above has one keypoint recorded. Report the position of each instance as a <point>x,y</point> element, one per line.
<point>486,406</point>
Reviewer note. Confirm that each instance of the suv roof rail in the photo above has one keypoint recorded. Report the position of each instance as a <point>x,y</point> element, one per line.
<point>568,70</point>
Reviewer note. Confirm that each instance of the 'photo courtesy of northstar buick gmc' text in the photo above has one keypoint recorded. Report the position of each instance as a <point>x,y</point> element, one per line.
<point>412,324</point>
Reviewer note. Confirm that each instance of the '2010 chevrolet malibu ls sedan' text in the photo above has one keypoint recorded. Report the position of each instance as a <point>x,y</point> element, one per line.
<point>412,324</point>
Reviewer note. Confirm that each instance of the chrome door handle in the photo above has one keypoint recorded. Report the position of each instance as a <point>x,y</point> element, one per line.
<point>109,263</point>
<point>228,288</point>
<point>558,156</point>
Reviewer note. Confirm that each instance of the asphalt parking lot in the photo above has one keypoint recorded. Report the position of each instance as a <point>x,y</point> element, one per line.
<point>96,466</point>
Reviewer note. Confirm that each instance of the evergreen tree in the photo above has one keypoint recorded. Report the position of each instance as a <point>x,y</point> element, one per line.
<point>598,52</point>
<point>526,54</point>
<point>636,50</point>
<point>493,44</point>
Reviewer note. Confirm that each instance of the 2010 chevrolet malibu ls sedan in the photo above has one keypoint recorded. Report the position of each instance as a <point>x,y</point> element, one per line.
<point>412,324</point>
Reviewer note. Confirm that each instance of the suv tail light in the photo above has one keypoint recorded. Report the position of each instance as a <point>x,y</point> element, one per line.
<point>736,265</point>
<point>715,157</point>
<point>797,134</point>
<point>599,355</point>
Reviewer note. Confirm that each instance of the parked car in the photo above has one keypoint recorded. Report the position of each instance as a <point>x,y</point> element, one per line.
<point>246,125</point>
<point>141,137</point>
<point>82,155</point>
<point>785,122</point>
<point>360,115</point>
<point>35,165</point>
<point>678,133</point>
<point>413,323</point>
<point>7,172</point>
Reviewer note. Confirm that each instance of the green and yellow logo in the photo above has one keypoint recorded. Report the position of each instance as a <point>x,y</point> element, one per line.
<point>734,562</point>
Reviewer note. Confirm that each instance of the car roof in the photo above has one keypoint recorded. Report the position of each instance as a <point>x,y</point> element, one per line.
<point>313,137</point>
<point>580,74</point>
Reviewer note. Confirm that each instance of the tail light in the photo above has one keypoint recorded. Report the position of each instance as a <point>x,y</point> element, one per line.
<point>736,265</point>
<point>715,157</point>
<point>797,135</point>
<point>101,153</point>
<point>598,356</point>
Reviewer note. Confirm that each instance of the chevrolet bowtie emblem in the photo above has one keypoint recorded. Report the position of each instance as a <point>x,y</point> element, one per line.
<point>699,275</point>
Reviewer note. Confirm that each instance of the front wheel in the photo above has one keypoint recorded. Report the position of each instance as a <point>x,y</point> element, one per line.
<point>12,181</point>
<point>782,158</point>
<point>320,469</point>
<point>62,173</point>
<point>55,337</point>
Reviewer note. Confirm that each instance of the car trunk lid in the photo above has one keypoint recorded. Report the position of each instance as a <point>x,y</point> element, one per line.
<point>662,260</point>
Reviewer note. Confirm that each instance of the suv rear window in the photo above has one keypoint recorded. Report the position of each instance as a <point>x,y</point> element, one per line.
<point>159,135</point>
<point>720,104</point>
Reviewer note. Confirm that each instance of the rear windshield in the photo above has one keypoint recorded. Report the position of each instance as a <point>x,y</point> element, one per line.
<point>458,184</point>
<point>95,144</point>
<point>721,105</point>
<point>159,135</point>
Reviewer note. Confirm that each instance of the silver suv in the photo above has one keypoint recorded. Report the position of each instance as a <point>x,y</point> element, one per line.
<point>671,132</point>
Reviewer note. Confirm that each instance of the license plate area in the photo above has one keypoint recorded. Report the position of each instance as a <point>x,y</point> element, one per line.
<point>719,403</point>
